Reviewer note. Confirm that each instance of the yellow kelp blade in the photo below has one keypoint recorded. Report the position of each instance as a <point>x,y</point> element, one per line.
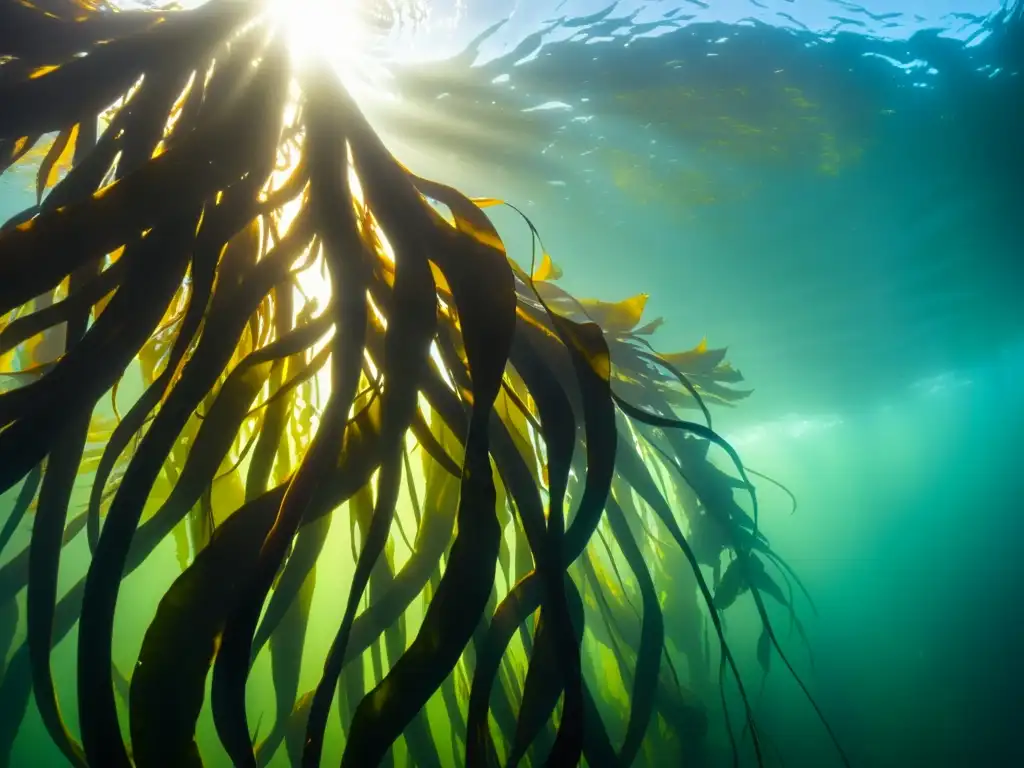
<point>700,359</point>
<point>618,317</point>
<point>547,269</point>
<point>57,160</point>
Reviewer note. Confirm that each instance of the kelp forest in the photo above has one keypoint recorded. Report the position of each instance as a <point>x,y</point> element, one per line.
<point>246,351</point>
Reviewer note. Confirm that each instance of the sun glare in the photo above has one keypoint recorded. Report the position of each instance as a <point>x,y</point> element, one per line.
<point>338,31</point>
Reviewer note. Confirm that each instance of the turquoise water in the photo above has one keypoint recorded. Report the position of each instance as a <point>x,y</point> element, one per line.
<point>833,191</point>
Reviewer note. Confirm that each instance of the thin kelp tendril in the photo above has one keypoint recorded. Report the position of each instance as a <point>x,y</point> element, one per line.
<point>707,433</point>
<point>744,555</point>
<point>778,485</point>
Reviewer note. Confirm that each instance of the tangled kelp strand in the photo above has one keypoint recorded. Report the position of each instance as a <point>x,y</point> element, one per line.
<point>192,186</point>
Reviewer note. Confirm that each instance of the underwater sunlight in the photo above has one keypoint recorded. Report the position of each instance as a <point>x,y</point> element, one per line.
<point>338,426</point>
<point>320,28</point>
<point>341,32</point>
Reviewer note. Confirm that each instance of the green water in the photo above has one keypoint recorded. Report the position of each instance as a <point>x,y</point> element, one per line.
<point>851,229</point>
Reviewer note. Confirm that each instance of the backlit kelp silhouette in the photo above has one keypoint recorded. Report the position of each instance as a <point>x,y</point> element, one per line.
<point>209,185</point>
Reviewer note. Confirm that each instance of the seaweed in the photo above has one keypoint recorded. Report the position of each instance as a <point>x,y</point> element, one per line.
<point>193,185</point>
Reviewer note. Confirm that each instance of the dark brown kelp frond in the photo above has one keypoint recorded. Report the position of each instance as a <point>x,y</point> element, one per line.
<point>40,32</point>
<point>229,321</point>
<point>484,301</point>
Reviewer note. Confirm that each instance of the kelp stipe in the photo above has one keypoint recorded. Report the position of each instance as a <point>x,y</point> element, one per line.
<point>179,242</point>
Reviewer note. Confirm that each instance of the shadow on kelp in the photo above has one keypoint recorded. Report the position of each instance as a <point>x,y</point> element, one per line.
<point>553,470</point>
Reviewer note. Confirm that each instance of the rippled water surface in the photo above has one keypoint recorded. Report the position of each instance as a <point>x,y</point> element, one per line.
<point>827,187</point>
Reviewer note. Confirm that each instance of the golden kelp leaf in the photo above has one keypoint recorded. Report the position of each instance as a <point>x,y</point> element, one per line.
<point>439,279</point>
<point>150,356</point>
<point>246,346</point>
<point>228,495</point>
<point>7,362</point>
<point>486,202</point>
<point>700,359</point>
<point>41,71</point>
<point>101,427</point>
<point>14,151</point>
<point>547,270</point>
<point>176,110</point>
<point>61,291</point>
<point>114,255</point>
<point>30,351</point>
<point>99,306</point>
<point>57,161</point>
<point>620,317</point>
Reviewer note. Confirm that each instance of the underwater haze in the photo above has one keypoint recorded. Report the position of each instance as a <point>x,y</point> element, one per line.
<point>834,191</point>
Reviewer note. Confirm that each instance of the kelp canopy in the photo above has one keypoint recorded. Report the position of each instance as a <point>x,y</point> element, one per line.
<point>192,187</point>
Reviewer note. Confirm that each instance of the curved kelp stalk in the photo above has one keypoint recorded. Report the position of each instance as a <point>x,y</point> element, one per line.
<point>231,320</point>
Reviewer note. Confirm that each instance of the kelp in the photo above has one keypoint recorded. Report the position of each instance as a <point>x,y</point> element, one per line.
<point>195,187</point>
